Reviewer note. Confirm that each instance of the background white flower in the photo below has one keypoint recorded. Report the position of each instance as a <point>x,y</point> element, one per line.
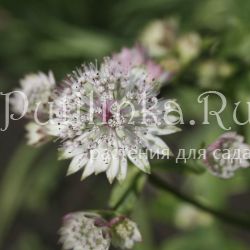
<point>227,154</point>
<point>37,88</point>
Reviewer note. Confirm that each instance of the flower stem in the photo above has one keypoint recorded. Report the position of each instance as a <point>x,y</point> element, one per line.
<point>131,188</point>
<point>221,215</point>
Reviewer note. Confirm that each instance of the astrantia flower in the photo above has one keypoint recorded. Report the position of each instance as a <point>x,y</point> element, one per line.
<point>104,116</point>
<point>37,88</point>
<point>87,230</point>
<point>227,154</point>
<point>125,234</point>
<point>84,231</point>
<point>137,57</point>
<point>32,100</point>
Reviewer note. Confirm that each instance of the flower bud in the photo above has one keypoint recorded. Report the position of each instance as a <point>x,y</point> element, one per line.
<point>125,234</point>
<point>159,37</point>
<point>189,47</point>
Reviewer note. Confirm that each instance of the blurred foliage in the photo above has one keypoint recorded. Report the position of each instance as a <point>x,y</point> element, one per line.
<point>59,35</point>
<point>205,239</point>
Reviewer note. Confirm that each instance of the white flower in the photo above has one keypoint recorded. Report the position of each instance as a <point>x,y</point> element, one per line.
<point>125,234</point>
<point>84,231</point>
<point>100,116</point>
<point>227,154</point>
<point>37,88</point>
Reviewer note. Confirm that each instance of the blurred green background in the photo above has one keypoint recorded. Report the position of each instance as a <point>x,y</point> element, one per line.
<point>60,35</point>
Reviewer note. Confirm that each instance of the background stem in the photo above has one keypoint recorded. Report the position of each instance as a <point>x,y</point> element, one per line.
<point>221,215</point>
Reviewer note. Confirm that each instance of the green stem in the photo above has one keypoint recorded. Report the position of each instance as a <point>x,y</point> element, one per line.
<point>131,188</point>
<point>224,217</point>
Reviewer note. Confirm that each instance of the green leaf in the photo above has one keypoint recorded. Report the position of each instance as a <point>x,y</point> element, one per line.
<point>205,239</point>
<point>12,190</point>
<point>30,241</point>
<point>78,43</point>
<point>213,13</point>
<point>213,190</point>
<point>42,181</point>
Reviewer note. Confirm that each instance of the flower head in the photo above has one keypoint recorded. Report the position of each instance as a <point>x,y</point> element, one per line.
<point>37,88</point>
<point>227,154</point>
<point>125,234</point>
<point>84,231</point>
<point>105,115</point>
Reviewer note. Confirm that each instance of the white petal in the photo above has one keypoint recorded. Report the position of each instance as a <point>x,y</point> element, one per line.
<point>85,136</point>
<point>163,131</point>
<point>89,170</point>
<point>114,166</point>
<point>35,133</point>
<point>99,162</point>
<point>54,127</point>
<point>157,145</point>
<point>77,163</point>
<point>140,161</point>
<point>137,235</point>
<point>123,169</point>
<point>69,152</point>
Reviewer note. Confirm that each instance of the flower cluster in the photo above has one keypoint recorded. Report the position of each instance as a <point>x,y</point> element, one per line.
<point>227,154</point>
<point>163,40</point>
<point>105,115</point>
<point>32,100</point>
<point>86,231</point>
<point>177,51</point>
